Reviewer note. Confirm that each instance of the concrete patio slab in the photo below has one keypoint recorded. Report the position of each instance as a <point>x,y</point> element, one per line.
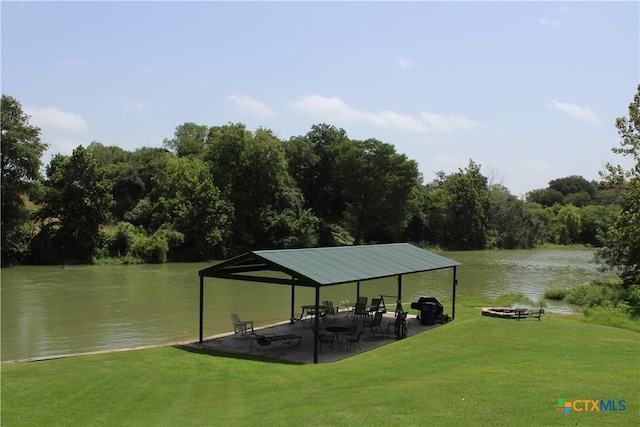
<point>302,353</point>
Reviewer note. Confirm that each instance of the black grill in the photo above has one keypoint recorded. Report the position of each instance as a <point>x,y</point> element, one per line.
<point>422,302</point>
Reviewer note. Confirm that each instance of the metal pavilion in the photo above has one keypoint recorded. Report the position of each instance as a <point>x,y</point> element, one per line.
<point>321,267</point>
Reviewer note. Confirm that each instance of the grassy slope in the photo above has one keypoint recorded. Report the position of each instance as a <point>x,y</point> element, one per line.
<point>473,371</point>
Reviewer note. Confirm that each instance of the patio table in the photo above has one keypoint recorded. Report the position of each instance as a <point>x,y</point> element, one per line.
<point>338,331</point>
<point>308,309</point>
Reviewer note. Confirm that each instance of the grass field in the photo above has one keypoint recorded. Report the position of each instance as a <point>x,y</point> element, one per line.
<point>475,371</point>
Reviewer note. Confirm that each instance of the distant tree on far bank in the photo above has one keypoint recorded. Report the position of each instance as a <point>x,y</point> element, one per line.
<point>574,190</point>
<point>467,211</point>
<point>76,204</point>
<point>20,168</point>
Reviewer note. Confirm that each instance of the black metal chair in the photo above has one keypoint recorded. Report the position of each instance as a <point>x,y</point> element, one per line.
<point>324,338</point>
<point>375,323</point>
<point>375,305</point>
<point>360,310</point>
<point>400,325</point>
<point>353,339</point>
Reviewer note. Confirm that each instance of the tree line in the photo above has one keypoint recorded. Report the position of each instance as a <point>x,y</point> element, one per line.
<point>212,192</point>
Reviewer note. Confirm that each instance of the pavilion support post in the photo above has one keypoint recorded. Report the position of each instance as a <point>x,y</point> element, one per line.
<point>293,300</point>
<point>399,294</point>
<point>455,284</point>
<point>317,326</point>
<point>201,305</point>
<point>357,290</point>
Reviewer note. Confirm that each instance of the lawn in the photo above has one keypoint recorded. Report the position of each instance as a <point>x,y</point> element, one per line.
<point>474,371</point>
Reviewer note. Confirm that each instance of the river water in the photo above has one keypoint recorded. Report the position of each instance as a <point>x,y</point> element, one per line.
<point>48,311</point>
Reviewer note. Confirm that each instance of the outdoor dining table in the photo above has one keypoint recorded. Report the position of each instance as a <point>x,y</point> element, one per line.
<point>309,309</point>
<point>338,331</point>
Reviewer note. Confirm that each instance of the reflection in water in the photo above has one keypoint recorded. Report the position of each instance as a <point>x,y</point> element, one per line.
<point>49,311</point>
<point>530,272</point>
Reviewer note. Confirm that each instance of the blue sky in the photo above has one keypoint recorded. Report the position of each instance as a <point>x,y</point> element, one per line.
<point>530,90</point>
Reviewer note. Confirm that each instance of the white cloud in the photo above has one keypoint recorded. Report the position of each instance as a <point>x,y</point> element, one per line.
<point>251,105</point>
<point>584,114</point>
<point>137,106</point>
<point>332,108</point>
<point>546,22</point>
<point>405,63</point>
<point>438,122</point>
<point>335,109</point>
<point>57,119</point>
<point>393,120</point>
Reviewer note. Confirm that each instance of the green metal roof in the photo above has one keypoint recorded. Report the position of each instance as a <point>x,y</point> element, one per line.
<point>330,266</point>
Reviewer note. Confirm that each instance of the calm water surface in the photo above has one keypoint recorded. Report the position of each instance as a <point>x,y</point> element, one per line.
<point>49,311</point>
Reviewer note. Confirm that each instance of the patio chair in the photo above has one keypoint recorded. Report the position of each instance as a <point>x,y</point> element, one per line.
<point>241,326</point>
<point>363,300</point>
<point>375,323</point>
<point>348,307</point>
<point>331,309</point>
<point>354,339</point>
<point>353,330</point>
<point>360,310</point>
<point>324,338</point>
<point>375,305</point>
<point>400,325</point>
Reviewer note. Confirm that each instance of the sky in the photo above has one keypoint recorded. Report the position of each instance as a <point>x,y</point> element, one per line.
<point>528,90</point>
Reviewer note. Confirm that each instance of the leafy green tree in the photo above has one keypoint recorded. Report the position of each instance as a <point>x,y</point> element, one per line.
<point>578,199</point>
<point>111,158</point>
<point>377,187</point>
<point>417,219</point>
<point>607,194</point>
<point>433,202</point>
<point>148,162</point>
<point>76,204</point>
<point>621,250</point>
<point>187,201</point>
<point>542,219</point>
<point>20,168</point>
<point>189,140</point>
<point>572,184</point>
<point>437,216</point>
<point>302,164</point>
<point>546,197</point>
<point>128,185</point>
<point>144,164</point>
<point>568,225</point>
<point>251,171</point>
<point>510,225</point>
<point>292,227</point>
<point>596,220</point>
<point>128,189</point>
<point>315,173</point>
<point>468,209</point>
